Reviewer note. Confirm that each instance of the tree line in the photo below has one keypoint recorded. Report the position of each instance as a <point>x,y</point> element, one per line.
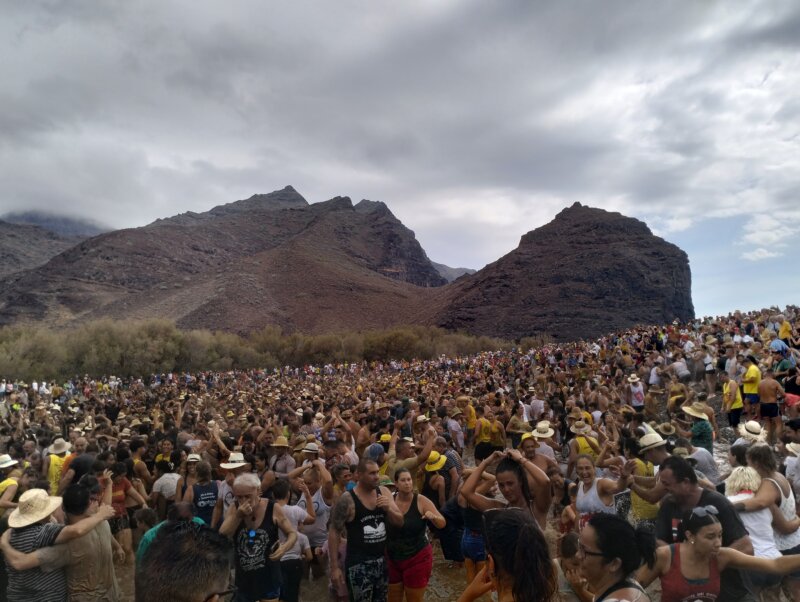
<point>139,348</point>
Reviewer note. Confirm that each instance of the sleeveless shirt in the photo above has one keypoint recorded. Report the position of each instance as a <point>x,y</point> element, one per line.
<point>256,575</point>
<point>366,534</point>
<point>204,498</point>
<point>404,542</point>
<point>677,588</point>
<point>588,503</point>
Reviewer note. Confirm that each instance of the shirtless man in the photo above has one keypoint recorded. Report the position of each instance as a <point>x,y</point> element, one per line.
<point>768,392</point>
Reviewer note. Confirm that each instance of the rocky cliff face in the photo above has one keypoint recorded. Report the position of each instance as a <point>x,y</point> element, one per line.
<point>276,260</point>
<point>586,273</point>
<point>238,267</point>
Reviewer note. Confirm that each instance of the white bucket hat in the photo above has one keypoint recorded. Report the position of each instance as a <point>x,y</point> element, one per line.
<point>235,460</point>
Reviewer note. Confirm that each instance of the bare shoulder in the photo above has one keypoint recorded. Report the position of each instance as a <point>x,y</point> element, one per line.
<point>343,511</point>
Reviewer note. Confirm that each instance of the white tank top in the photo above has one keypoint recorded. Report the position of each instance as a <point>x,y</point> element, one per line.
<point>759,526</point>
<point>589,503</point>
<point>789,510</point>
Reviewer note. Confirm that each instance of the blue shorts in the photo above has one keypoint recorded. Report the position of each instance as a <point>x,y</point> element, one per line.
<point>752,398</point>
<point>473,546</point>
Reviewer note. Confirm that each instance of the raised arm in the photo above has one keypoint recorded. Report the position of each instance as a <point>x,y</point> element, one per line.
<point>469,489</point>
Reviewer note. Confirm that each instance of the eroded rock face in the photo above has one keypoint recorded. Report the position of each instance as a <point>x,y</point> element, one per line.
<point>25,246</point>
<point>586,273</point>
<point>238,267</point>
<point>276,260</point>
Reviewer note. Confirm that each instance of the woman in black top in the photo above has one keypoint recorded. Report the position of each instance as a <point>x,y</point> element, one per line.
<point>409,552</point>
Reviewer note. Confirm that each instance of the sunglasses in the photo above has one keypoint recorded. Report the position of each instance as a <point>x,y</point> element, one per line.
<point>703,511</point>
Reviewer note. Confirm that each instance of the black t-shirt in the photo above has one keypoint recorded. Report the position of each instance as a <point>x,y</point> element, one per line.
<point>81,465</point>
<point>735,585</point>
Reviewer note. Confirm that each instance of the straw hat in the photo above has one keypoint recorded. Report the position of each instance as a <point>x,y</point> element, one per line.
<point>34,505</point>
<point>193,458</point>
<point>633,379</point>
<point>125,433</point>
<point>422,418</point>
<point>60,446</point>
<point>543,430</point>
<point>697,409</point>
<point>580,428</point>
<point>793,448</point>
<point>651,441</point>
<point>435,461</point>
<point>666,429</point>
<point>7,461</point>
<point>135,422</point>
<point>311,448</point>
<point>281,442</point>
<point>752,431</point>
<point>235,460</point>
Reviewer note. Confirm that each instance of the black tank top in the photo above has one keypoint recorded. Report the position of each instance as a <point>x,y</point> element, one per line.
<point>428,491</point>
<point>473,519</point>
<point>409,539</point>
<point>256,575</point>
<point>366,534</point>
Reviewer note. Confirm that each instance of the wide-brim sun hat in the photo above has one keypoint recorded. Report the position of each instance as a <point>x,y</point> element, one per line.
<point>666,429</point>
<point>651,441</point>
<point>696,410</point>
<point>34,505</point>
<point>580,427</point>
<point>60,446</point>
<point>793,448</point>
<point>752,431</point>
<point>281,442</point>
<point>311,448</point>
<point>235,460</point>
<point>7,461</point>
<point>543,430</point>
<point>633,379</point>
<point>435,461</point>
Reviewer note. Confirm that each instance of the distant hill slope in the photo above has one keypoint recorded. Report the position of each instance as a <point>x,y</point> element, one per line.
<point>23,247</point>
<point>587,272</point>
<point>449,273</point>
<point>270,259</point>
<point>61,225</point>
<point>333,266</point>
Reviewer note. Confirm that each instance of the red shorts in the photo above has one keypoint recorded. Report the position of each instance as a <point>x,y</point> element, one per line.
<point>412,572</point>
<point>792,400</point>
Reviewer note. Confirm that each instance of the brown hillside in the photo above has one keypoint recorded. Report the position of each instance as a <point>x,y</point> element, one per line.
<point>585,273</point>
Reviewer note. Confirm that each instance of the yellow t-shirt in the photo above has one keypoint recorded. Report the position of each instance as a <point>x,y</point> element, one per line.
<point>643,510</point>
<point>484,432</point>
<point>584,447</point>
<point>737,400</point>
<point>785,331</point>
<point>752,372</point>
<point>3,486</point>
<point>54,472</point>
<point>471,418</point>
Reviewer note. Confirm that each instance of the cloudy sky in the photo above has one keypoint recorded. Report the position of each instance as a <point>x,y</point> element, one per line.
<point>474,121</point>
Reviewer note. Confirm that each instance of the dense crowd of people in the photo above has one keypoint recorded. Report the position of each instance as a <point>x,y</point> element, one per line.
<point>575,471</point>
